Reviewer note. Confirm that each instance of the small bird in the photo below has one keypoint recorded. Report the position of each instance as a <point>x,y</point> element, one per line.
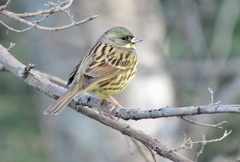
<point>105,71</point>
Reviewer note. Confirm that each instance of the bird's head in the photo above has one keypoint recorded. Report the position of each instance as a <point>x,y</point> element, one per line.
<point>120,37</point>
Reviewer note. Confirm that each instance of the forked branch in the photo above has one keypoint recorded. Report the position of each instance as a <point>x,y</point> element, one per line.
<point>55,7</point>
<point>79,104</point>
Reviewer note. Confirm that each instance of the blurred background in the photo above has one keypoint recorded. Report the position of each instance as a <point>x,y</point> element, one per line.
<point>188,46</point>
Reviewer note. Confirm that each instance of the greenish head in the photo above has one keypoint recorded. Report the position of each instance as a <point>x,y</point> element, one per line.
<point>120,37</point>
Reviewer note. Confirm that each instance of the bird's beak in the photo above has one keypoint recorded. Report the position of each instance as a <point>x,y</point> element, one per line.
<point>135,40</point>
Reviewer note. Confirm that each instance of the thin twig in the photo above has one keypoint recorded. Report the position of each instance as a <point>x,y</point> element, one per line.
<point>200,152</point>
<point>140,150</point>
<point>61,7</point>
<point>226,133</point>
<point>204,124</point>
<point>11,46</point>
<point>70,15</point>
<point>35,25</point>
<point>152,154</point>
<point>212,94</point>
<point>28,28</point>
<point>186,145</point>
<point>15,30</point>
<point>7,4</point>
<point>212,97</point>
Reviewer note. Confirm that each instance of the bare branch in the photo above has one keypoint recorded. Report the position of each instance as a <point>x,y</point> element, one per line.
<point>59,7</point>
<point>204,124</point>
<point>11,46</point>
<point>137,114</point>
<point>200,152</point>
<point>141,151</point>
<point>153,154</point>
<point>226,133</point>
<point>7,4</point>
<point>186,145</point>
<point>35,25</point>
<point>212,97</point>
<point>26,29</point>
<point>44,85</point>
<point>12,29</point>
<point>212,94</point>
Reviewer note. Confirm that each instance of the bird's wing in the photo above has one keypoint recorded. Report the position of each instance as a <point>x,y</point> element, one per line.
<point>73,73</point>
<point>105,61</point>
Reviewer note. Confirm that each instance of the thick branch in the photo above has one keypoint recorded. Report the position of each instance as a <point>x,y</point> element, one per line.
<point>136,134</point>
<point>137,114</point>
<point>44,85</point>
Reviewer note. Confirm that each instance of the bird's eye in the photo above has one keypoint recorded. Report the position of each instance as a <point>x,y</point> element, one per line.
<point>124,38</point>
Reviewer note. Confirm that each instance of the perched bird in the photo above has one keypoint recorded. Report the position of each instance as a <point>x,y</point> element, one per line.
<point>106,70</point>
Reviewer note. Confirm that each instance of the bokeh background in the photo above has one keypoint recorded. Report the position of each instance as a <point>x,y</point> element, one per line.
<point>188,46</point>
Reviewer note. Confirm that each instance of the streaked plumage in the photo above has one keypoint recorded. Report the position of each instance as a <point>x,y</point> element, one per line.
<point>107,69</point>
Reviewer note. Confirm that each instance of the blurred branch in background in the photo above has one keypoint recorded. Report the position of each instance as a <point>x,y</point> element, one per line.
<point>55,7</point>
<point>203,39</point>
<point>208,29</point>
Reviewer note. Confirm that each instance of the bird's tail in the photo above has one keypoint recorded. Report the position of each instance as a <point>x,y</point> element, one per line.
<point>62,102</point>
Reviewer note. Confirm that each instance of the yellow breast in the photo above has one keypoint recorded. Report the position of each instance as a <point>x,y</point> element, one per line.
<point>117,84</point>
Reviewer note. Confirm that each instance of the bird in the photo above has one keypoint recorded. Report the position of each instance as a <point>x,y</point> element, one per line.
<point>105,71</point>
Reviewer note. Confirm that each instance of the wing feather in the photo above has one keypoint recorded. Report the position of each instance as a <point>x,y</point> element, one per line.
<point>113,61</point>
<point>104,62</point>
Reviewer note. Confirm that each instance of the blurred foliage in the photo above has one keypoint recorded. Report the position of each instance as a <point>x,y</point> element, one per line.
<point>20,130</point>
<point>199,34</point>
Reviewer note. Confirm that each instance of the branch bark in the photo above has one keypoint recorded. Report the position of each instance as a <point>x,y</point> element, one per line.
<point>80,102</point>
<point>137,114</point>
<point>129,113</point>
